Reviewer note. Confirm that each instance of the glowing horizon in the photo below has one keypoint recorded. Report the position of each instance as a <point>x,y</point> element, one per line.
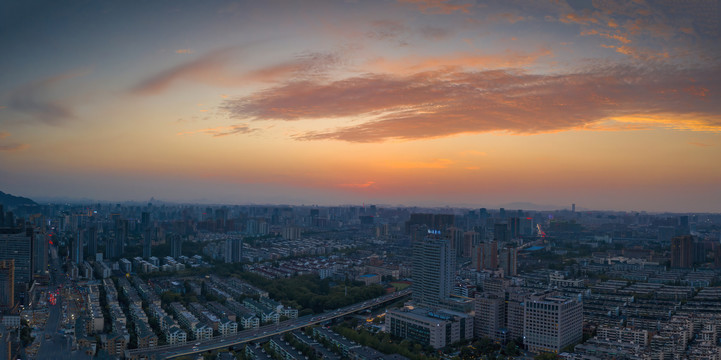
<point>607,105</point>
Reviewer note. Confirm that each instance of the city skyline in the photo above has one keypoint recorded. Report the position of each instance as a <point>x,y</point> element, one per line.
<point>611,106</point>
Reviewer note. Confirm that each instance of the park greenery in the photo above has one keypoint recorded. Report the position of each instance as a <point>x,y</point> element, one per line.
<point>311,292</point>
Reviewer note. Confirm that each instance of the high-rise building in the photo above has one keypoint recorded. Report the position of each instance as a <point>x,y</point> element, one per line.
<point>16,243</point>
<point>683,225</point>
<point>552,323</point>
<point>7,284</point>
<point>485,256</point>
<point>91,235</point>
<point>490,318</point>
<point>682,252</point>
<point>234,250</point>
<point>145,220</point>
<point>40,254</point>
<point>501,233</point>
<point>175,246</point>
<point>76,247</point>
<point>116,245</point>
<point>471,239</point>
<point>434,266</point>
<point>455,235</point>
<point>514,227</point>
<point>509,261</point>
<point>147,242</point>
<point>515,314</point>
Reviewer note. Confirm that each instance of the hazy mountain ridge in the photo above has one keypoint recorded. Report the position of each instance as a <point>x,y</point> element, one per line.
<point>9,200</point>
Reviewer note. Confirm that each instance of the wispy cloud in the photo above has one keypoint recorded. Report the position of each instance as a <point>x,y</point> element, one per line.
<point>651,31</point>
<point>221,130</point>
<point>439,6</point>
<point>364,185</point>
<point>465,60</point>
<point>13,147</point>
<point>699,144</point>
<point>184,51</point>
<point>216,68</point>
<point>36,100</point>
<point>444,103</point>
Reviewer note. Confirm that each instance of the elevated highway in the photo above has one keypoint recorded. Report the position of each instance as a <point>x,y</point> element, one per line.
<point>250,335</point>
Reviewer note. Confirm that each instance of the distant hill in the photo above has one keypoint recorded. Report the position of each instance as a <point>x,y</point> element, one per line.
<point>10,201</point>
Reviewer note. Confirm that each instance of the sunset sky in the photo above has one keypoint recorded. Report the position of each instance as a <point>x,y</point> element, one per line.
<point>608,104</point>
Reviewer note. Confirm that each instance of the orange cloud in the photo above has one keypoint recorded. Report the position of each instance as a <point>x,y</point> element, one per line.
<point>4,134</point>
<point>584,18</point>
<point>14,147</point>
<point>414,64</point>
<point>443,103</point>
<point>699,144</point>
<point>214,69</point>
<point>358,186</point>
<point>184,51</point>
<point>221,130</point>
<point>509,17</point>
<point>438,6</point>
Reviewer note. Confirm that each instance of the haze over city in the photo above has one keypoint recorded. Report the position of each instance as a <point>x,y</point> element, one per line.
<point>609,105</point>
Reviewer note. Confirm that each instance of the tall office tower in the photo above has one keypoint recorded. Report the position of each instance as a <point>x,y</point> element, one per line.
<point>502,213</point>
<point>40,253</point>
<point>9,219</point>
<point>552,323</point>
<point>456,236</point>
<point>7,284</point>
<point>515,314</point>
<point>145,220</point>
<point>490,318</point>
<point>501,233</point>
<point>175,246</point>
<point>2,216</point>
<point>121,237</point>
<point>682,252</point>
<point>251,227</point>
<point>434,266</point>
<point>514,227</point>
<point>147,242</point>
<point>683,226</point>
<point>91,236</point>
<point>509,261</point>
<point>234,250</point>
<point>111,247</point>
<point>470,240</point>
<point>573,208</point>
<point>76,248</point>
<point>16,244</point>
<point>485,256</point>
